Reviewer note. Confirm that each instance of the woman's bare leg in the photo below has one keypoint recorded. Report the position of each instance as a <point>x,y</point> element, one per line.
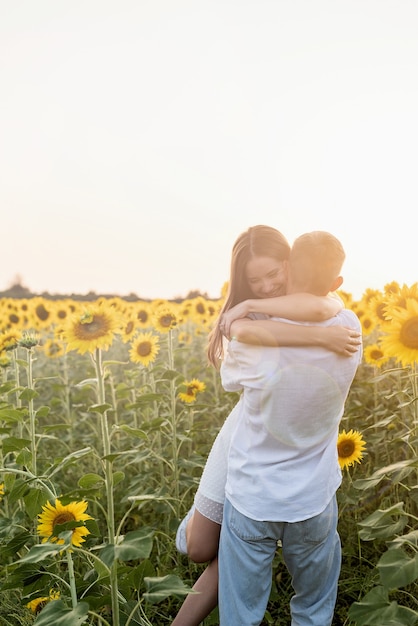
<point>197,606</point>
<point>202,537</point>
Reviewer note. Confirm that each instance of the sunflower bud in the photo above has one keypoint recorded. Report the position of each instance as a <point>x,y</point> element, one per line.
<point>29,339</point>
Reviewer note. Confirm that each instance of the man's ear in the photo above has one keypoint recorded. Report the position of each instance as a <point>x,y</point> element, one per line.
<point>337,283</point>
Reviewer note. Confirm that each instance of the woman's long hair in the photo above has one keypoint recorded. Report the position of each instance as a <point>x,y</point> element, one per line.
<point>257,241</point>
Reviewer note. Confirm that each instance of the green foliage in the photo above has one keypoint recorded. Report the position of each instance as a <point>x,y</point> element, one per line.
<point>385,492</point>
<point>138,451</point>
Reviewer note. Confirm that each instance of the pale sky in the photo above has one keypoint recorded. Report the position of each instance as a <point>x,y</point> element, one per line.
<point>139,138</point>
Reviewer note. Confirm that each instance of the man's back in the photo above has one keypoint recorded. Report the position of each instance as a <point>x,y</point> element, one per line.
<point>283,459</point>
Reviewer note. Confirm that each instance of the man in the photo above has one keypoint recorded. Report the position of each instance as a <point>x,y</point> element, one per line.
<point>283,470</point>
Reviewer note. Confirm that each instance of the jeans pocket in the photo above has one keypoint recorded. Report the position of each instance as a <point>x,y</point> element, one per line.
<point>318,528</point>
<point>246,528</point>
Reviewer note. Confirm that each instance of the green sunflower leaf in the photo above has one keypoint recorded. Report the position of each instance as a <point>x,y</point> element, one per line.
<point>397,569</point>
<point>375,609</point>
<point>42,551</point>
<point>383,523</point>
<point>118,477</point>
<point>70,458</point>
<point>90,480</point>
<point>43,411</point>
<point>16,543</point>
<point>143,399</point>
<point>134,545</point>
<point>57,614</point>
<point>28,394</point>
<point>8,387</point>
<point>34,501</point>
<point>100,408</point>
<point>11,415</point>
<point>160,588</point>
<point>134,432</point>
<point>14,444</point>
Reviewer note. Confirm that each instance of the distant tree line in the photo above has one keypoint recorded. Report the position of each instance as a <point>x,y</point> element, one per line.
<point>19,291</point>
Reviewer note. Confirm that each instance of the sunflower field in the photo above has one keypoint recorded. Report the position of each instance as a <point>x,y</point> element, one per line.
<point>108,410</point>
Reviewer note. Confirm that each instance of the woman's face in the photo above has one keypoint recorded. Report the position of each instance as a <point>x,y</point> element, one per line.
<point>266,277</point>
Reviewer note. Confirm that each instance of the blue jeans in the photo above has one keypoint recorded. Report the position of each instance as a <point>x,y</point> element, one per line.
<point>311,551</point>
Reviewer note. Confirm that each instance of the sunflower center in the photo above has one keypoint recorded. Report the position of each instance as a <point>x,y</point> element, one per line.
<point>40,606</point>
<point>62,518</point>
<point>376,354</point>
<point>409,333</point>
<point>54,348</point>
<point>95,329</point>
<point>166,320</point>
<point>346,448</point>
<point>144,348</point>
<point>142,316</point>
<point>129,327</point>
<point>41,312</point>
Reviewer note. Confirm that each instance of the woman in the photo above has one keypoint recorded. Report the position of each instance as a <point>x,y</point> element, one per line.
<point>257,286</point>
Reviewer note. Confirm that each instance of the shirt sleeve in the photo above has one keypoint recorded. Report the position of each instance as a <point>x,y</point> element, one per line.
<point>244,365</point>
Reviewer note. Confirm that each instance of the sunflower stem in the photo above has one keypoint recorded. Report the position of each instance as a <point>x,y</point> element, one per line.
<point>108,470</point>
<point>32,425</point>
<point>174,424</point>
<point>414,377</point>
<point>158,433</point>
<point>71,578</point>
<point>67,388</point>
<point>17,379</point>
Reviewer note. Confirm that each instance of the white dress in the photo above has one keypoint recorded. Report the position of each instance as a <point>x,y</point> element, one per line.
<point>210,496</point>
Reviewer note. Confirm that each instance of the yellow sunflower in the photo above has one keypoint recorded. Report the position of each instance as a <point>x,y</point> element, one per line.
<point>13,319</point>
<point>400,338</point>
<point>193,387</point>
<point>374,355</point>
<point>38,604</point>
<point>346,297</point>
<point>53,348</point>
<point>95,328</point>
<point>199,308</point>
<point>224,290</point>
<point>5,361</point>
<point>128,328</point>
<point>350,448</point>
<point>358,309</point>
<point>368,324</point>
<point>41,312</point>
<point>62,310</point>
<point>9,340</point>
<point>144,348</point>
<point>185,311</point>
<point>141,311</point>
<point>376,308</point>
<point>399,299</point>
<point>185,338</point>
<point>165,319</point>
<point>392,288</point>
<point>60,514</point>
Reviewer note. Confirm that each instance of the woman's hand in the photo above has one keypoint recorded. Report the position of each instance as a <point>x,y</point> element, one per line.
<point>236,312</point>
<point>342,340</point>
